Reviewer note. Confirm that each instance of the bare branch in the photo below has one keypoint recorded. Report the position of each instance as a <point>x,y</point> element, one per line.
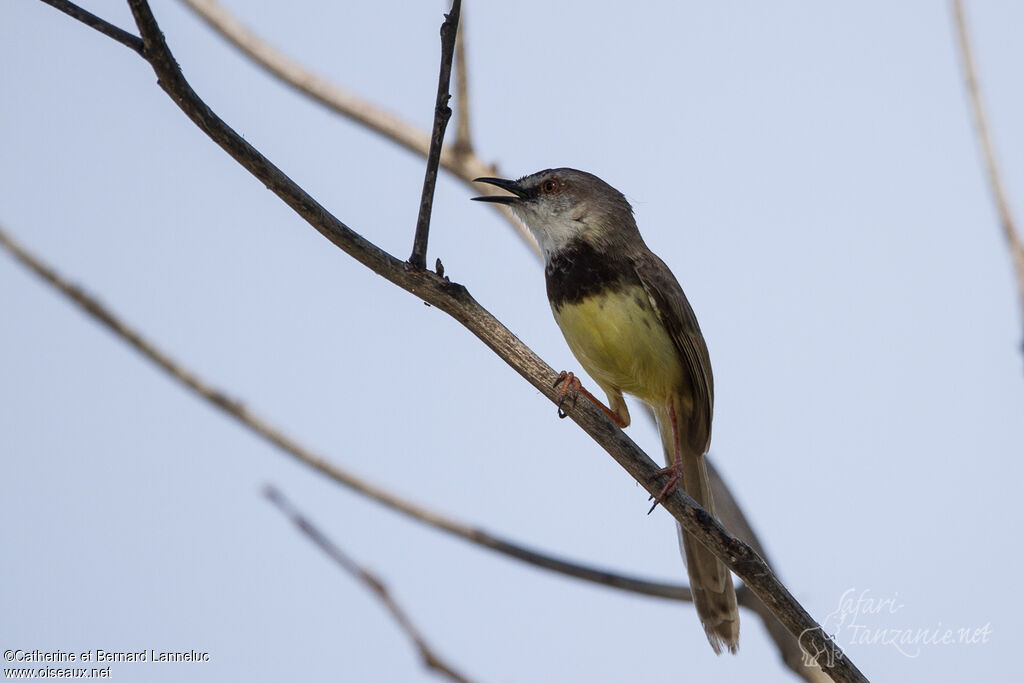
<point>430,659</point>
<point>463,140</point>
<point>442,112</point>
<point>295,76</point>
<point>1013,240</point>
<point>465,166</point>
<point>101,25</point>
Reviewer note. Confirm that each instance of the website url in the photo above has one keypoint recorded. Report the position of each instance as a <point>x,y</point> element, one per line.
<point>52,672</point>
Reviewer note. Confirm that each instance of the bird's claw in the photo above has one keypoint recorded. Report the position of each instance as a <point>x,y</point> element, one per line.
<point>570,387</point>
<point>675,475</point>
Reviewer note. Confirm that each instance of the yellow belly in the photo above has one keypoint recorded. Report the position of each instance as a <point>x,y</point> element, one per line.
<point>619,340</point>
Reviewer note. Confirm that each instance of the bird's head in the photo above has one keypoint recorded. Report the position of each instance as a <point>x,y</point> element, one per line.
<point>559,205</point>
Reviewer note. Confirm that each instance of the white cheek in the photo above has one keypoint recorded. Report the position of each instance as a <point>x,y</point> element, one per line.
<point>552,232</point>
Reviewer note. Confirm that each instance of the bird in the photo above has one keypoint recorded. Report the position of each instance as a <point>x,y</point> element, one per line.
<point>627,321</point>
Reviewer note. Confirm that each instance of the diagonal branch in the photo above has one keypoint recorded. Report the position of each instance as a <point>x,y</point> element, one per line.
<point>463,164</point>
<point>101,25</point>
<point>371,582</point>
<point>456,301</point>
<point>1013,239</point>
<point>442,112</point>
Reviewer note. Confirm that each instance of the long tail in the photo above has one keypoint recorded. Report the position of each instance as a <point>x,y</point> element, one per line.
<point>710,580</point>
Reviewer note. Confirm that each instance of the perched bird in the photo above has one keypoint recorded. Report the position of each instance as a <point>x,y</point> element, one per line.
<point>627,321</point>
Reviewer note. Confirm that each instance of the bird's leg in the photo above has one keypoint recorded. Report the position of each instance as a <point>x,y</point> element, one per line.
<point>571,390</point>
<point>675,470</point>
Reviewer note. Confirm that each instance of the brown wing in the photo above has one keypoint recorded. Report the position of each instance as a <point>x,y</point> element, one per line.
<point>676,315</point>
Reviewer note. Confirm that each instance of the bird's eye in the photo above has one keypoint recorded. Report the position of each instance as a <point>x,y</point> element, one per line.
<point>550,186</point>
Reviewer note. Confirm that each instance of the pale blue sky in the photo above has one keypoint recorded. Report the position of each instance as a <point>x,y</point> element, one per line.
<point>809,172</point>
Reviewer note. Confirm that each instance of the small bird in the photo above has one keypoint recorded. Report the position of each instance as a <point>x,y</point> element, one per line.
<point>628,323</point>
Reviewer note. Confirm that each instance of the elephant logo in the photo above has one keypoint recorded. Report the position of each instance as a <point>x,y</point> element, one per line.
<point>815,653</point>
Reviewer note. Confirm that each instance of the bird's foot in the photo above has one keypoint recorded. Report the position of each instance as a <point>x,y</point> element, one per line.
<point>675,475</point>
<point>571,389</point>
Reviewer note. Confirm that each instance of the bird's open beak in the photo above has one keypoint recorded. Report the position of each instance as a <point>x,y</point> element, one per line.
<point>510,185</point>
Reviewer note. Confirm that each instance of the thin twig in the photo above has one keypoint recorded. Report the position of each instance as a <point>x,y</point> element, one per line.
<point>463,139</point>
<point>456,301</point>
<point>1013,239</point>
<point>101,25</point>
<point>464,166</point>
<point>430,659</point>
<point>442,112</point>
<point>260,426</point>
